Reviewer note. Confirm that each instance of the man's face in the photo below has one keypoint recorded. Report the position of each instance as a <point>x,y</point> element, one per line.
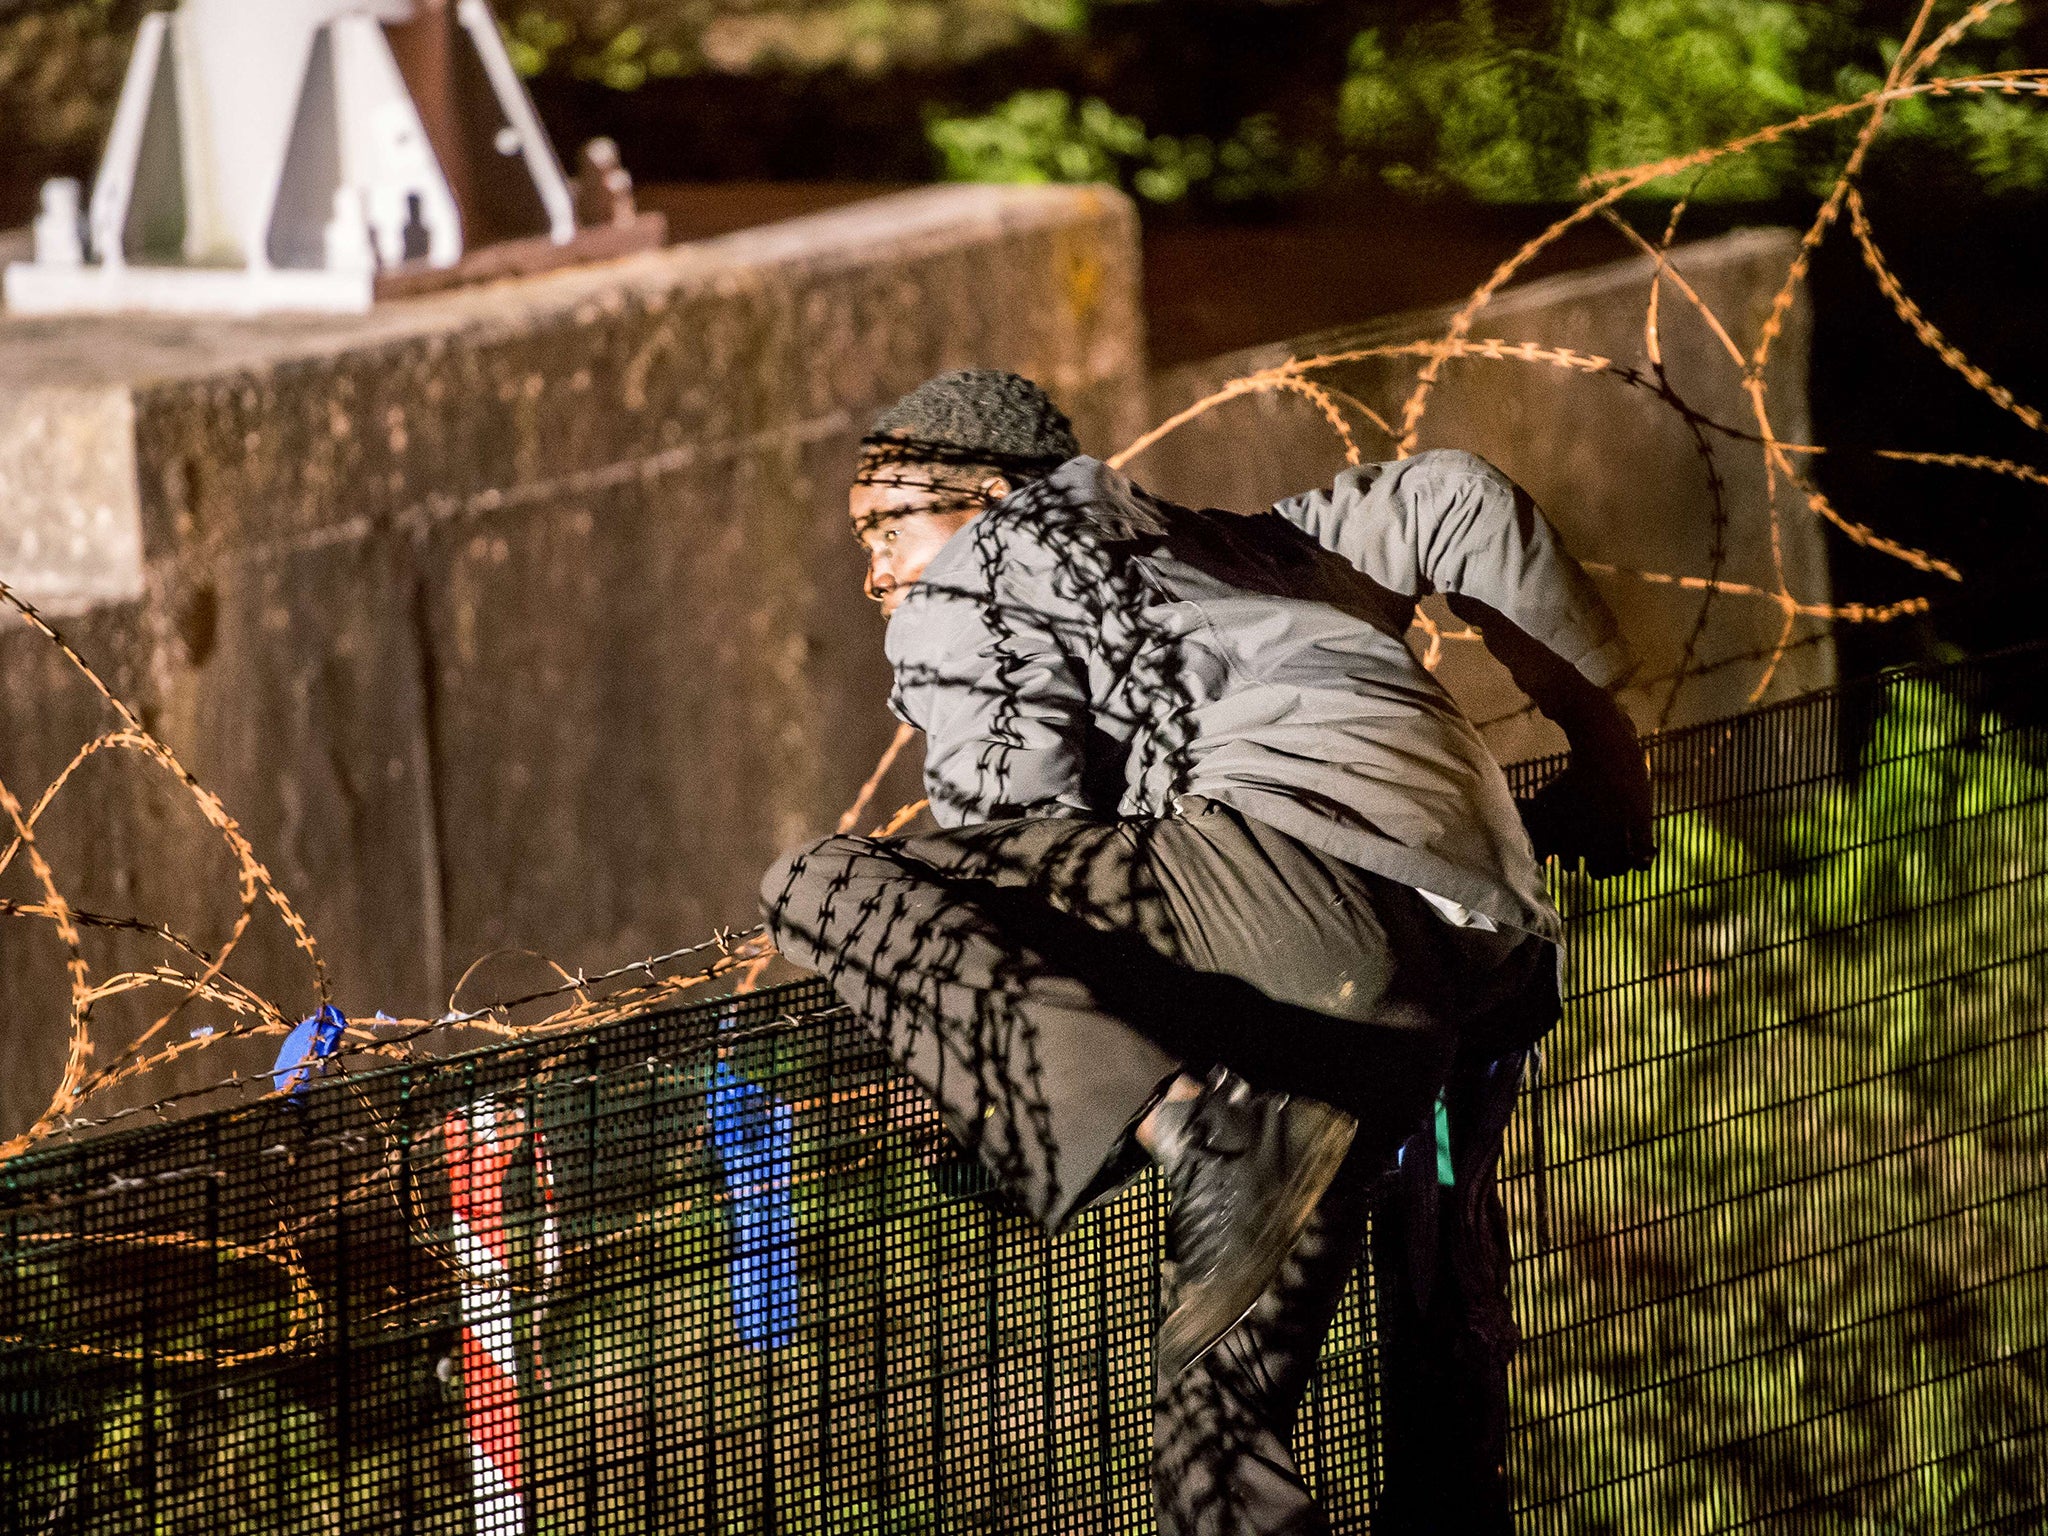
<point>904,522</point>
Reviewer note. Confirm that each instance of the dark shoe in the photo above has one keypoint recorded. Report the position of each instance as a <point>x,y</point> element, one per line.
<point>1245,1170</point>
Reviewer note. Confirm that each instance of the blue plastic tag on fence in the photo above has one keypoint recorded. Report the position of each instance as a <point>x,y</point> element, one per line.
<point>312,1040</point>
<point>754,1136</point>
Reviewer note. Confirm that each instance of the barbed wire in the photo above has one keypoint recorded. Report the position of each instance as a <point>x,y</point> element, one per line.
<point>1778,465</point>
<point>198,975</point>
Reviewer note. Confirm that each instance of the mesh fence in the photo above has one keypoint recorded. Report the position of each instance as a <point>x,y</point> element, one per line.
<point>1776,1196</point>
<point>1783,1264</point>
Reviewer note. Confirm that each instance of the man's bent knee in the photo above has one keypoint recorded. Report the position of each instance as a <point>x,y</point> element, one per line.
<point>796,889</point>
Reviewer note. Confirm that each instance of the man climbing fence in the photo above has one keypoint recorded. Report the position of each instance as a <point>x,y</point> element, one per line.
<point>1225,881</point>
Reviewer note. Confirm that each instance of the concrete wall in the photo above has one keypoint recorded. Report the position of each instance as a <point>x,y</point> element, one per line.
<point>1615,467</point>
<point>528,617</point>
<point>525,616</point>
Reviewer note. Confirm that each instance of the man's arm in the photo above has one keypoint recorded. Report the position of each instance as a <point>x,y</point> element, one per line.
<point>1600,808</point>
<point>990,677</point>
<point>1451,523</point>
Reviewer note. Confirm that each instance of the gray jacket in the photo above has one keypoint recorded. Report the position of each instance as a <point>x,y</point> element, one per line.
<point>1085,649</point>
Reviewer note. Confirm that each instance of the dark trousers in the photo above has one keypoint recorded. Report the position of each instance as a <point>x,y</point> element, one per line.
<point>1446,1335</point>
<point>1043,980</point>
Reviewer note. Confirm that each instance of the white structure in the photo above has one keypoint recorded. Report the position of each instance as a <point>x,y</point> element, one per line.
<point>269,155</point>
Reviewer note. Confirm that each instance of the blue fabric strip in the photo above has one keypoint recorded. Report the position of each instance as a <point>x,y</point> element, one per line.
<point>753,1135</point>
<point>311,1041</point>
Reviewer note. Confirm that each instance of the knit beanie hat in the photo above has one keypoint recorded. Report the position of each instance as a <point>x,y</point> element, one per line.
<point>979,417</point>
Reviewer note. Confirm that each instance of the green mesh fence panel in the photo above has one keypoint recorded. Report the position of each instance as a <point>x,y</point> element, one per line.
<point>1776,1200</point>
<point>1783,1265</point>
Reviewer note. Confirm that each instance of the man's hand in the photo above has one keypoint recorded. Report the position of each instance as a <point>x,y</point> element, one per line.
<point>1599,810</point>
<point>1596,811</point>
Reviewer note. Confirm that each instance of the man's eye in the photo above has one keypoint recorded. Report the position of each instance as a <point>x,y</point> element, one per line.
<point>889,537</point>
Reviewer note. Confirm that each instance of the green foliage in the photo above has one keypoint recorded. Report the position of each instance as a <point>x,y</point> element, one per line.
<point>1521,112</point>
<point>623,55</point>
<point>1498,103</point>
<point>2007,142</point>
<point>60,75</point>
<point>625,43</point>
<point>1875,1231</point>
<point>1520,106</point>
<point>2003,140</point>
<point>1039,136</point>
<point>1042,136</point>
<point>1667,76</point>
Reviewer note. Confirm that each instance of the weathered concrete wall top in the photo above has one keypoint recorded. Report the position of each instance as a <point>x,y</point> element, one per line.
<point>298,428</point>
<point>517,617</point>
<point>1629,482</point>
